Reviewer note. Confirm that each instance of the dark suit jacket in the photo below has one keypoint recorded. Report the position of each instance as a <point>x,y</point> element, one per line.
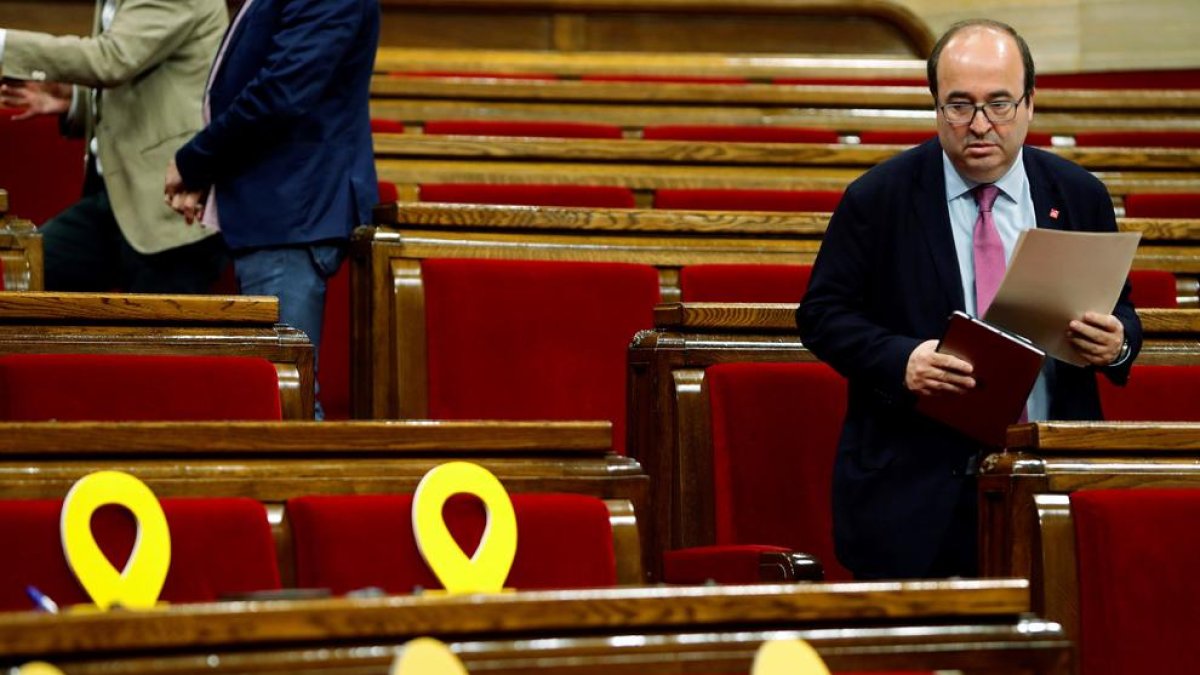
<point>885,280</point>
<point>288,147</point>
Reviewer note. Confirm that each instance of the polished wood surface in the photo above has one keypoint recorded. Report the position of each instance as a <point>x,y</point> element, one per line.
<point>735,153</point>
<point>840,27</point>
<point>467,85</point>
<point>20,253</point>
<point>142,307</point>
<point>116,323</point>
<point>911,626</point>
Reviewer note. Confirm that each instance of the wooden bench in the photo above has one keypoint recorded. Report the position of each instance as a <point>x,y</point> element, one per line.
<point>658,26</point>
<point>112,323</point>
<point>21,261</point>
<point>274,461</point>
<point>669,430</point>
<point>690,165</point>
<point>979,624</point>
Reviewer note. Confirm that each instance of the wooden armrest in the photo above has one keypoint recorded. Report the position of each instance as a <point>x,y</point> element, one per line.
<point>789,566</point>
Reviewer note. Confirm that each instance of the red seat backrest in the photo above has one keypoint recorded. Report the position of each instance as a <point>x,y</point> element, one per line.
<point>910,137</point>
<point>349,542</point>
<point>1153,288</point>
<point>738,134</point>
<point>42,171</point>
<point>775,429</point>
<point>747,200</point>
<point>534,128</point>
<point>218,546</point>
<point>1162,205</point>
<point>744,283</point>
<point>1154,394</point>
<point>533,340</point>
<point>597,196</point>
<point>127,387</point>
<point>1137,554</point>
<point>1138,139</point>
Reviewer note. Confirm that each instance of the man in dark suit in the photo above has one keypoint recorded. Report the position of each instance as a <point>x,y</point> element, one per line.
<point>285,167</point>
<point>900,254</point>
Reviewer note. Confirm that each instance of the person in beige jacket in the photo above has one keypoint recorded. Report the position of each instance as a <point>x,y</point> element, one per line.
<point>137,97</point>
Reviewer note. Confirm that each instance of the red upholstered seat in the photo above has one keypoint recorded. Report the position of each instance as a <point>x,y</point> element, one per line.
<point>539,128</point>
<point>1153,393</point>
<point>775,428</point>
<point>1163,205</point>
<point>2,282</point>
<point>473,75</point>
<point>738,134</point>
<point>1125,79</point>
<point>664,79</point>
<point>598,196</point>
<point>379,126</point>
<point>744,283</point>
<point>1139,594</point>
<point>333,364</point>
<point>854,81</point>
<point>747,200</point>
<point>1153,288</point>
<point>218,546</point>
<point>43,172</point>
<point>348,542</point>
<point>388,192</point>
<point>1138,139</point>
<point>912,137</point>
<point>511,339</point>
<point>123,387</point>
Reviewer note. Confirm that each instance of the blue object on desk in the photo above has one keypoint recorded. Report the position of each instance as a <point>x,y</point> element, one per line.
<point>41,601</point>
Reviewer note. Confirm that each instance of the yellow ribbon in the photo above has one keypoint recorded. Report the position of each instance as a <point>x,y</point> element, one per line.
<point>426,656</point>
<point>787,657</point>
<point>488,568</point>
<point>38,668</point>
<point>137,585</point>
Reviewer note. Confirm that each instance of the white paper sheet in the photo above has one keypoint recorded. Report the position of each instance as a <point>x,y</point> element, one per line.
<point>1054,277</point>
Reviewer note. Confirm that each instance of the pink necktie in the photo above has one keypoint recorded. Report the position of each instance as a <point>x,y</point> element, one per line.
<point>987,249</point>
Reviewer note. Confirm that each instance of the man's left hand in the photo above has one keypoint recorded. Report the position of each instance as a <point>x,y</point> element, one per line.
<point>1097,338</point>
<point>188,203</point>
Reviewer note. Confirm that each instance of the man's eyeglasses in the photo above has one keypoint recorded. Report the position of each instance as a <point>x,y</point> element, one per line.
<point>996,112</point>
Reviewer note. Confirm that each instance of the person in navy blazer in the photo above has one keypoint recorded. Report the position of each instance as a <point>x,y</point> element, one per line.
<point>284,167</point>
<point>888,275</point>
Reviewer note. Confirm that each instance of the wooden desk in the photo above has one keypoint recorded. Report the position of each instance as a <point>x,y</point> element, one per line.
<point>274,461</point>
<point>115,323</point>
<point>877,626</point>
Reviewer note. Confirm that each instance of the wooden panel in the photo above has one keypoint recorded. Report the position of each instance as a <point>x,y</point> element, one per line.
<point>21,254</point>
<point>140,307</point>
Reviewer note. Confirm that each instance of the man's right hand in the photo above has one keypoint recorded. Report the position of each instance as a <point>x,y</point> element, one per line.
<point>931,372</point>
<point>35,98</point>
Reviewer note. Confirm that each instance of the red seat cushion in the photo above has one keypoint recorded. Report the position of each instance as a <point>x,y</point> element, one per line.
<point>1162,205</point>
<point>912,137</point>
<point>218,546</point>
<point>665,79</point>
<point>1138,553</point>
<point>1138,139</point>
<point>473,75</point>
<point>1153,393</point>
<point>744,283</point>
<point>596,196</point>
<point>775,428</point>
<point>855,81</point>
<point>748,200</point>
<point>522,128</point>
<point>1153,288</point>
<point>533,340</point>
<point>722,564</point>
<point>388,192</point>
<point>333,365</point>
<point>44,171</point>
<point>122,387</point>
<point>348,542</point>
<point>739,134</point>
<point>1126,79</point>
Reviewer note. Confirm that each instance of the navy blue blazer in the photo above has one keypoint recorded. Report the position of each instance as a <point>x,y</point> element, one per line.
<point>288,148</point>
<point>886,279</point>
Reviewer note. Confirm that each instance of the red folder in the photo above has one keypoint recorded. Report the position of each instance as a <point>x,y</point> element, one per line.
<point>1005,369</point>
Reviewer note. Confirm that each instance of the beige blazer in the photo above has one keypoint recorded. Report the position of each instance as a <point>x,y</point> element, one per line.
<point>152,64</point>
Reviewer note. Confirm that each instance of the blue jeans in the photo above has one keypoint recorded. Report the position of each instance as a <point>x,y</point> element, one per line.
<point>296,275</point>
